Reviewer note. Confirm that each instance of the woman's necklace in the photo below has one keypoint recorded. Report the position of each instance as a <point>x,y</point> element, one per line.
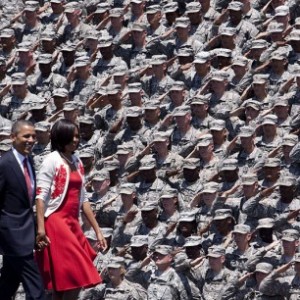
<point>71,162</point>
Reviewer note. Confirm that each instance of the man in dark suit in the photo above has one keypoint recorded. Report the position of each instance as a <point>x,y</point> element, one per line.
<point>17,226</point>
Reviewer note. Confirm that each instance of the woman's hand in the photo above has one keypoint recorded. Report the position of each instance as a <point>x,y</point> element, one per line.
<point>42,240</point>
<point>101,241</point>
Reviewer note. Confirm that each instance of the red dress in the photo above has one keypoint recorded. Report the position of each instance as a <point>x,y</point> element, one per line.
<point>67,263</point>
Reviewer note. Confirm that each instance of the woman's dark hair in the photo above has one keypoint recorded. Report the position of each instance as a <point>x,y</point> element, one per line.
<point>62,134</point>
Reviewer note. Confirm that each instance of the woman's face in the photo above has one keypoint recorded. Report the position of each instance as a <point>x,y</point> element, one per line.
<point>71,147</point>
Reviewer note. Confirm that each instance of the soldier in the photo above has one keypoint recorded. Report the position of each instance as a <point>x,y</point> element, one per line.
<point>70,111</point>
<point>165,282</point>
<point>283,286</point>
<point>184,136</point>
<point>8,43</point>
<point>19,102</point>
<point>45,81</point>
<point>271,173</point>
<point>216,277</point>
<point>89,137</point>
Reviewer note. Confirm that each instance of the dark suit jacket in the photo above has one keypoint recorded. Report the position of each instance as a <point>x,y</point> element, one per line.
<point>17,227</point>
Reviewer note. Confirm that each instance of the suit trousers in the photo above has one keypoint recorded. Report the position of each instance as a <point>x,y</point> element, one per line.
<point>23,269</point>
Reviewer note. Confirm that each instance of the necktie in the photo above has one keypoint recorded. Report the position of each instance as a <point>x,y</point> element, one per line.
<point>27,178</point>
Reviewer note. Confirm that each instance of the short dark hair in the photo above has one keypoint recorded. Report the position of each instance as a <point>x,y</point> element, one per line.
<point>16,127</point>
<point>62,134</point>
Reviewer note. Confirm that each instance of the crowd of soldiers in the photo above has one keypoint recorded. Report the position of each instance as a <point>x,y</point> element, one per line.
<point>189,135</point>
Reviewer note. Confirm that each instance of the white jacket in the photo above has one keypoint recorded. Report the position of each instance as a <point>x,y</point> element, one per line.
<point>53,180</point>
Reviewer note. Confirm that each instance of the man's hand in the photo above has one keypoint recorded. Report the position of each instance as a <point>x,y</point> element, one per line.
<point>42,240</point>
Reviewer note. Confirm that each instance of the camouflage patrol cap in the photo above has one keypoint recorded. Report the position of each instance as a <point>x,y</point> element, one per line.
<point>177,86</point>
<point>170,7</point>
<point>270,120</point>
<point>147,163</point>
<point>137,1</point>
<point>158,59</point>
<point>297,257</point>
<point>294,35</point>
<point>229,164</point>
<point>290,140</point>
<point>192,241</point>
<point>265,223</point>
<point>181,111</point>
<point>260,78</point>
<point>152,105</point>
<point>191,163</point>
<point>246,131</point>
<point>163,249</point>
<point>202,57</point>
<point>18,78</point>
<point>228,31</point>
<point>70,105</point>
<point>219,76</point>
<point>223,52</point>
<point>124,148</point>
<point>47,35</point>
<point>235,5</point>
<point>45,58</point>
<point>275,27</point>
<point>259,44</point>
<point>139,27</point>
<point>287,181</point>
<point>290,235</point>
<point>160,136</point>
<point>5,145</point>
<point>81,61</point>
<point>72,7</point>
<point>31,6</point>
<point>216,251</point>
<point>210,187</point>
<point>281,101</point>
<point>105,41</point>
<point>222,214</point>
<point>138,240</point>
<point>102,8</point>
<point>5,131</point>
<point>116,12</point>
<point>193,7</point>
<point>278,55</point>
<point>56,1</point>
<point>100,175</point>
<point>42,126</point>
<point>111,165</point>
<point>187,216</point>
<point>120,71</point>
<point>272,162</point>
<point>127,188</point>
<point>153,9</point>
<point>185,51</point>
<point>199,100</point>
<point>205,140</point>
<point>7,33</point>
<point>92,35</point>
<point>249,179</point>
<point>241,228</point>
<point>116,262</point>
<point>239,61</point>
<point>24,47</point>
<point>148,206</point>
<point>113,89</point>
<point>264,267</point>
<point>253,104</point>
<point>60,92</point>
<point>169,193</point>
<point>182,22</point>
<point>87,152</point>
<point>134,87</point>
<point>68,47</point>
<point>134,112</point>
<point>86,120</point>
<point>217,125</point>
<point>282,10</point>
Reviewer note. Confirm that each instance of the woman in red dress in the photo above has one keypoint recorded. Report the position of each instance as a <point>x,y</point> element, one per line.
<point>65,257</point>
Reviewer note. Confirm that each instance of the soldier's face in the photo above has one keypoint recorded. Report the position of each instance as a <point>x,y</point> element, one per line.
<point>251,113</point>
<point>249,190</point>
<point>139,253</point>
<point>8,42</point>
<point>260,276</point>
<point>195,17</point>
<point>177,97</point>
<point>161,146</point>
<point>281,111</point>
<point>269,129</point>
<point>192,252</point>
<point>114,274</point>
<point>241,239</point>
<point>152,115</point>
<point>19,89</point>
<point>161,260</point>
<point>137,8</point>
<point>208,198</point>
<point>149,217</point>
<point>289,247</point>
<point>43,137</point>
<point>297,267</point>
<point>182,33</point>
<point>138,37</point>
<point>169,204</point>
<point>216,263</point>
<point>246,142</point>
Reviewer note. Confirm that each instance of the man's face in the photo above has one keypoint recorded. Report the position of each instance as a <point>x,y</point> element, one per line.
<point>149,217</point>
<point>216,263</point>
<point>161,259</point>
<point>24,140</point>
